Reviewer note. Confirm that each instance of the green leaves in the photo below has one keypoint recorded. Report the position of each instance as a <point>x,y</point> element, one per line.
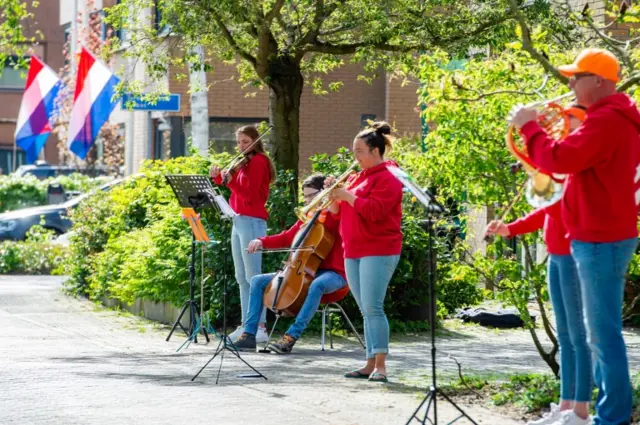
<point>14,44</point>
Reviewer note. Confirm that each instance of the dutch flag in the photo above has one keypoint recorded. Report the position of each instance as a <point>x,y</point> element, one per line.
<point>93,102</point>
<point>36,115</point>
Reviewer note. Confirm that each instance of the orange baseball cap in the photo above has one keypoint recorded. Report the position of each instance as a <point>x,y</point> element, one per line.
<point>594,61</point>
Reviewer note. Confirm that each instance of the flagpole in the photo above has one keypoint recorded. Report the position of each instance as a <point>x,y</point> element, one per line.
<point>15,154</point>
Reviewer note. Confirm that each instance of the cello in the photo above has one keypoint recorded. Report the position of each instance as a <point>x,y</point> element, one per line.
<point>288,289</point>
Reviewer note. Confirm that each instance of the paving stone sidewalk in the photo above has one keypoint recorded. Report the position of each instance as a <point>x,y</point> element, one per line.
<point>67,361</point>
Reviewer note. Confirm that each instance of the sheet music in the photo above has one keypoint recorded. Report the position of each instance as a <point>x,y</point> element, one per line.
<point>226,209</point>
<point>408,182</point>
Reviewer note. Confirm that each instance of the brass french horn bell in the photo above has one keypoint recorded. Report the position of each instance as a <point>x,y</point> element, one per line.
<point>542,188</point>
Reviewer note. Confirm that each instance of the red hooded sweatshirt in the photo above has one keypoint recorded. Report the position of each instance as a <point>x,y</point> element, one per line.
<point>602,158</point>
<point>250,187</point>
<point>371,227</point>
<point>335,258</point>
<point>554,231</point>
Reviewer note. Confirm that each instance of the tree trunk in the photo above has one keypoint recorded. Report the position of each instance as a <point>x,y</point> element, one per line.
<point>285,91</point>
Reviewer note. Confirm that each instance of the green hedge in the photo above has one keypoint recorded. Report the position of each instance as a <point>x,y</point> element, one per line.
<point>28,191</point>
<point>38,255</point>
<point>132,243</point>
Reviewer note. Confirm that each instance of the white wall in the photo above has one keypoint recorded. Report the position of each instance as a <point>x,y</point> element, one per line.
<point>66,9</point>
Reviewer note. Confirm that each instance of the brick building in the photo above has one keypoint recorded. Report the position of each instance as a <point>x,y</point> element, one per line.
<point>12,82</point>
<point>326,122</point>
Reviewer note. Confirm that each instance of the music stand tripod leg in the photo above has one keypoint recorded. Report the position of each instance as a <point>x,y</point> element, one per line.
<point>178,322</point>
<point>431,397</point>
<point>225,342</point>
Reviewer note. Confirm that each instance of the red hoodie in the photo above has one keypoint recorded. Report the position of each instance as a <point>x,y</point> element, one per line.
<point>335,258</point>
<point>602,157</point>
<point>250,187</point>
<point>371,227</point>
<point>554,231</point>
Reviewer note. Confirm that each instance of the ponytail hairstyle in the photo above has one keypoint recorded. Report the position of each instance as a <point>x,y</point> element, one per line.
<point>377,136</point>
<point>252,132</point>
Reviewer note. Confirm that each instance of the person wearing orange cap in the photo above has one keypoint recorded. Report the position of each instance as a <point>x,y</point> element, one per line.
<point>599,210</point>
<point>576,381</point>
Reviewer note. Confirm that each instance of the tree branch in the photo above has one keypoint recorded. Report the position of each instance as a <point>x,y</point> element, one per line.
<point>479,30</point>
<point>527,44</point>
<point>629,82</point>
<point>274,12</point>
<point>318,46</point>
<point>232,42</point>
<point>493,93</point>
<point>335,30</point>
<point>462,380</point>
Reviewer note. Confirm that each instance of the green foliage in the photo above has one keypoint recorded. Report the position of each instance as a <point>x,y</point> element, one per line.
<point>313,36</point>
<point>28,191</point>
<point>37,255</point>
<point>132,243</point>
<point>466,147</point>
<point>531,392</point>
<point>283,45</point>
<point>14,18</point>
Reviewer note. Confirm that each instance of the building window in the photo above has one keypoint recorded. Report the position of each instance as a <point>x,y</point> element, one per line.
<point>107,31</point>
<point>6,160</point>
<point>222,132</point>
<point>12,78</point>
<point>161,27</point>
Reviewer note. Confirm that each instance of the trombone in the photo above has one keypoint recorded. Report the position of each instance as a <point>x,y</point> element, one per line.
<point>322,201</point>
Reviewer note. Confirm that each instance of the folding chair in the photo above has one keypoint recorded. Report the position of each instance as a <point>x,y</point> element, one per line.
<point>329,304</point>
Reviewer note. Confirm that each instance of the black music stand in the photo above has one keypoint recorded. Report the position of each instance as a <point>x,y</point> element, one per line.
<point>199,188</point>
<point>193,192</point>
<point>431,207</point>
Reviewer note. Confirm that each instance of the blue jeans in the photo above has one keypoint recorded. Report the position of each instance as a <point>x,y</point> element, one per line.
<point>368,279</point>
<point>244,230</point>
<point>326,282</point>
<point>576,382</point>
<point>602,268</point>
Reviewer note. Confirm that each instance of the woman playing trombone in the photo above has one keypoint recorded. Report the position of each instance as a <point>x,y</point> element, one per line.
<point>248,178</point>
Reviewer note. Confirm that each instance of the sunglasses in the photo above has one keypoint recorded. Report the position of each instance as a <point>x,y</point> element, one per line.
<point>580,75</point>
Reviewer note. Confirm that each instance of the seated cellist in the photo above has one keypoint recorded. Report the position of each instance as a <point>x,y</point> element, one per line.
<point>329,278</point>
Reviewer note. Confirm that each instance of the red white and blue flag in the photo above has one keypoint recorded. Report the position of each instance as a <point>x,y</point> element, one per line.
<point>93,102</point>
<point>36,115</point>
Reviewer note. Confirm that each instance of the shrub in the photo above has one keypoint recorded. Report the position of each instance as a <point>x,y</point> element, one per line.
<point>37,255</point>
<point>132,243</point>
<point>28,191</point>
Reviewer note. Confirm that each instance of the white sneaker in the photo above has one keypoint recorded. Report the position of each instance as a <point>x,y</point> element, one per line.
<point>236,334</point>
<point>262,335</point>
<point>550,417</point>
<point>570,418</point>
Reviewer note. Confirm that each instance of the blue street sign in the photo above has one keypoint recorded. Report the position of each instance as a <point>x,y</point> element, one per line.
<point>170,103</point>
